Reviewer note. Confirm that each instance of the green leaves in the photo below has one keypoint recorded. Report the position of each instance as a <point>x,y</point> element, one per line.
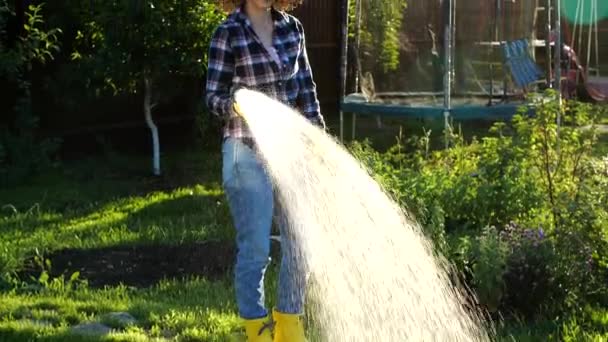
<point>36,45</point>
<point>21,153</point>
<point>529,172</point>
<point>490,254</point>
<point>126,40</point>
<point>381,24</point>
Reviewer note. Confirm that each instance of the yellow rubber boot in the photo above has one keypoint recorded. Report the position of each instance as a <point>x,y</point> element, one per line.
<point>288,327</point>
<point>258,330</point>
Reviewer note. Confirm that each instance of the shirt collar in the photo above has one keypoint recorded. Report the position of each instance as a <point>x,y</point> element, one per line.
<point>278,17</point>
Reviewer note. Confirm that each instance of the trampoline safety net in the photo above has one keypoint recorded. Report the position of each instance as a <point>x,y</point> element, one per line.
<point>398,49</point>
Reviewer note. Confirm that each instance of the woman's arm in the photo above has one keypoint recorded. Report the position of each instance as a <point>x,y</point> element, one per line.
<point>307,97</point>
<point>219,75</point>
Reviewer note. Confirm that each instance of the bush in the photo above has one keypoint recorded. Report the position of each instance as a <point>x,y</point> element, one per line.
<point>21,151</point>
<point>528,172</point>
<point>488,260</point>
<point>529,278</point>
<point>510,269</point>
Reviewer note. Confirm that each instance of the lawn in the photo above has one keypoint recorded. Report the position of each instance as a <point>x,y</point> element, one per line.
<point>99,236</point>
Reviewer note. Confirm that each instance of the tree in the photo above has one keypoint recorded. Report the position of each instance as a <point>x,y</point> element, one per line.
<point>137,46</point>
<point>375,38</point>
<point>24,43</point>
<point>380,29</point>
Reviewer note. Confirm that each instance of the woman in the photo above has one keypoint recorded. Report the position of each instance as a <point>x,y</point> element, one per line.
<point>260,47</point>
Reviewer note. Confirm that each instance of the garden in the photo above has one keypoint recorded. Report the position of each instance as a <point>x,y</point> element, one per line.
<point>97,245</point>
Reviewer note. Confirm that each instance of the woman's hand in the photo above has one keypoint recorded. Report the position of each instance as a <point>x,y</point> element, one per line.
<point>237,109</point>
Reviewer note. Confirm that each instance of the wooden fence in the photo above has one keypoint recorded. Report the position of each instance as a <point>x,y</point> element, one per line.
<point>322,22</point>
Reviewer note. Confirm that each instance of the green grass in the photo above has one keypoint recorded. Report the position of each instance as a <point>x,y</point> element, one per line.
<point>65,210</point>
<point>193,309</point>
<point>178,215</point>
<point>112,202</point>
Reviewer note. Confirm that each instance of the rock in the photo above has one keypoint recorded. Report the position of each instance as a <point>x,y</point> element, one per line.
<point>119,319</point>
<point>167,334</point>
<point>91,329</point>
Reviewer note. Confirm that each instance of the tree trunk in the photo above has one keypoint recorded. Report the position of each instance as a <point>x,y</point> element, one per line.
<point>152,127</point>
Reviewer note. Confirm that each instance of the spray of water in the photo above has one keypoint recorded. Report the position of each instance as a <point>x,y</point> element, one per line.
<point>373,274</point>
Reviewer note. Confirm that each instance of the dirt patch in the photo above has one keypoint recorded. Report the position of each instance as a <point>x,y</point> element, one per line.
<point>140,266</point>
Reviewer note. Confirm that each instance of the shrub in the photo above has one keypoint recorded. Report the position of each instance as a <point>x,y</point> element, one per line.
<point>530,171</point>
<point>510,269</point>
<point>529,278</point>
<point>488,261</point>
<point>21,151</point>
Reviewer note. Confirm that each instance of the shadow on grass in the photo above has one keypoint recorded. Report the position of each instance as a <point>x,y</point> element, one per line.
<point>141,265</point>
<point>116,225</point>
<point>86,185</point>
<point>184,234</point>
<point>32,334</point>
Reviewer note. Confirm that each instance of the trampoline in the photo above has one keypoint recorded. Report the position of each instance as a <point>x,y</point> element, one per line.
<point>441,59</point>
<point>430,105</point>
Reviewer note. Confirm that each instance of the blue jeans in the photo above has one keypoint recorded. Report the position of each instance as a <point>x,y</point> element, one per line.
<point>251,200</point>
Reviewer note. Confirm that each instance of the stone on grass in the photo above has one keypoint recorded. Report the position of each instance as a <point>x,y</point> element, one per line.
<point>91,329</point>
<point>119,319</point>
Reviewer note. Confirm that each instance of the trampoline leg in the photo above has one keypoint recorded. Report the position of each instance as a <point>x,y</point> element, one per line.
<point>341,126</point>
<point>354,124</point>
<point>378,121</point>
<point>446,115</point>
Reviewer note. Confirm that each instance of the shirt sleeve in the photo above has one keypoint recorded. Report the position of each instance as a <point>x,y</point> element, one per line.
<point>307,96</point>
<point>219,75</point>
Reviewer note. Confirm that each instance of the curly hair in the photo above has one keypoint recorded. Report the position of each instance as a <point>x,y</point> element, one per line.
<point>281,5</point>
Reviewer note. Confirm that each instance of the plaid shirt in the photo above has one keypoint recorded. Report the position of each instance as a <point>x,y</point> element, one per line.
<point>238,59</point>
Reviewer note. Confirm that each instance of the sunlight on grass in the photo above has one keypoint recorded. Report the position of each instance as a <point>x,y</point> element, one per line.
<point>186,214</point>
<point>91,205</point>
<point>82,207</point>
<point>195,309</point>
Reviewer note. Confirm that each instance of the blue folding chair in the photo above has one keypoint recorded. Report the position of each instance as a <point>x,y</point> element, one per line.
<point>524,71</point>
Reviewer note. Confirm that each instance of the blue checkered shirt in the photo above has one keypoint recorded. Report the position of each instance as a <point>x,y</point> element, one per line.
<point>238,59</point>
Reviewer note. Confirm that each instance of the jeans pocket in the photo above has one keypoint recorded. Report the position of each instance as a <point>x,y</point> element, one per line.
<point>231,150</point>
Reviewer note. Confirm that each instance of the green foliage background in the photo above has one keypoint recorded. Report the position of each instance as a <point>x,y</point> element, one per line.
<point>523,212</point>
<point>381,22</point>
<point>21,151</point>
<point>82,63</point>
